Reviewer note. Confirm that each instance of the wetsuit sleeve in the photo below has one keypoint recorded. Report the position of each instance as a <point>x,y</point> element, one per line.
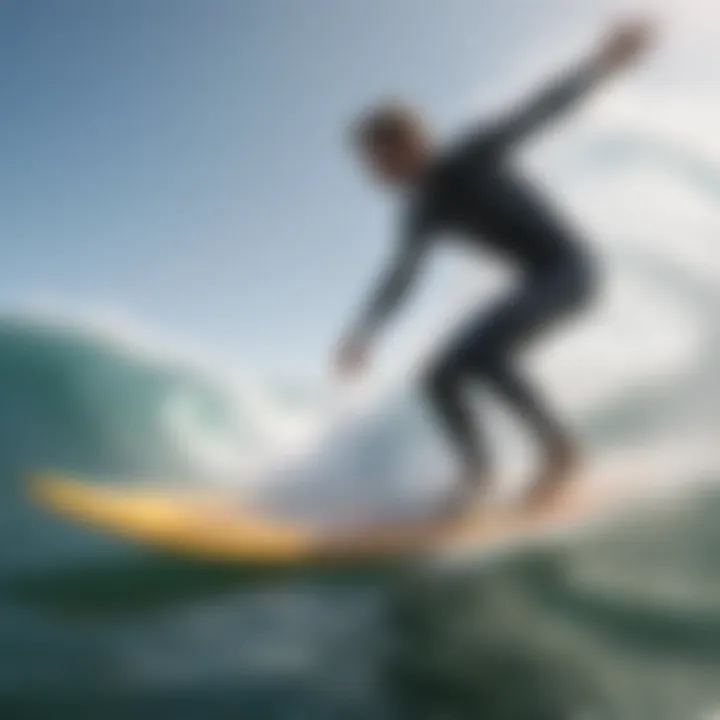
<point>395,283</point>
<point>544,107</point>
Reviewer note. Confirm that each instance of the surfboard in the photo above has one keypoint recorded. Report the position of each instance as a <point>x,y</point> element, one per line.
<point>206,525</point>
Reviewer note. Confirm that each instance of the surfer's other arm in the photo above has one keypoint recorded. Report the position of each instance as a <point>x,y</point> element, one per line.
<point>622,46</point>
<point>391,290</point>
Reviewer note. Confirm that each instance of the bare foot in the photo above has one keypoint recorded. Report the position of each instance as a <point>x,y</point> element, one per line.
<point>560,468</point>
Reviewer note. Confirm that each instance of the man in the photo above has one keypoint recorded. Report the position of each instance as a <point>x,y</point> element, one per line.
<point>472,189</point>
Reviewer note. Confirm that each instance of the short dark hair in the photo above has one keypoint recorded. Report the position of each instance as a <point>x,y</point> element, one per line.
<point>386,124</point>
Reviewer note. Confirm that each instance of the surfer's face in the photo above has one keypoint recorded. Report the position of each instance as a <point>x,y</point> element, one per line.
<point>394,145</point>
<point>393,164</point>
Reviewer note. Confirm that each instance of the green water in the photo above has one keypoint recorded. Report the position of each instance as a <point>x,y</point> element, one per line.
<point>622,623</point>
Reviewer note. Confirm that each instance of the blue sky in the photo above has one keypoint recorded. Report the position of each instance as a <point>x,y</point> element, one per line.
<point>184,161</point>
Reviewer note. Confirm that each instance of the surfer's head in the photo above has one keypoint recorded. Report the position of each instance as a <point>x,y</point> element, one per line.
<point>394,142</point>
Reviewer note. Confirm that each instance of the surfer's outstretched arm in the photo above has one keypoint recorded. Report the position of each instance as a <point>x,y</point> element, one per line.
<point>619,49</point>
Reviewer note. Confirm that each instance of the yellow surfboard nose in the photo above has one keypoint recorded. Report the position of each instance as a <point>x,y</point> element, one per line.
<point>209,525</point>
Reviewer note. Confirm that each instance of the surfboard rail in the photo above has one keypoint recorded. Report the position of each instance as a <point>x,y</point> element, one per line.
<point>205,525</point>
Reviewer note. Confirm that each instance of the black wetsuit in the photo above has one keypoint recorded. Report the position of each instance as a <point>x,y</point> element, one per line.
<point>473,190</point>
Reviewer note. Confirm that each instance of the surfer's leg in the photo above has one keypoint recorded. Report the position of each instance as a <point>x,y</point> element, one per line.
<point>493,342</point>
<point>561,453</point>
<point>503,375</point>
<point>486,350</point>
<point>445,388</point>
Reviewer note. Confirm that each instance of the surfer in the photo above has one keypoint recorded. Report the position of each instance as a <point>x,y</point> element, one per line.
<point>473,189</point>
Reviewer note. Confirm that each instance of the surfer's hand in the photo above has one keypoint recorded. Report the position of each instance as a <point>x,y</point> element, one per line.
<point>352,358</point>
<point>624,44</point>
